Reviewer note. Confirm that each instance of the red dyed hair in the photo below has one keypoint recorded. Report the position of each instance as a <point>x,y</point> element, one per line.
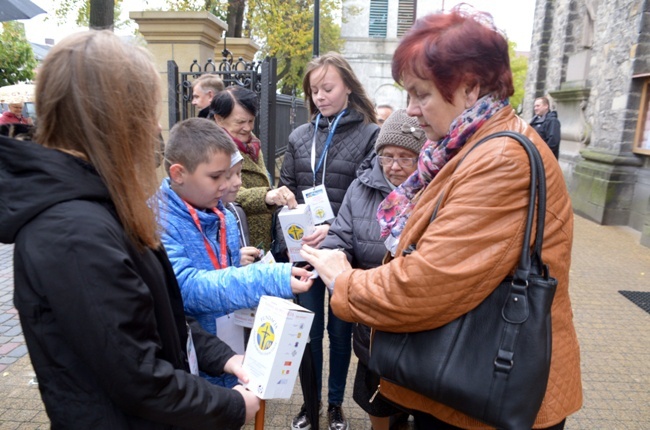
<point>454,48</point>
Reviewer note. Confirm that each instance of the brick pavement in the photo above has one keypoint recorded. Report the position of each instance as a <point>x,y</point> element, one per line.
<point>12,344</point>
<point>614,335</point>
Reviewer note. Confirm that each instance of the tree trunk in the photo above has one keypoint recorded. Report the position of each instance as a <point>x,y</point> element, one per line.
<point>235,17</point>
<point>102,14</point>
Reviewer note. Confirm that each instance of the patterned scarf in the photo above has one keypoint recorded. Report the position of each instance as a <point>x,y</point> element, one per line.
<point>397,207</point>
<point>251,148</point>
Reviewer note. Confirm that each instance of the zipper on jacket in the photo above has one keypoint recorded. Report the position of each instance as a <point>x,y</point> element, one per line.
<point>375,394</point>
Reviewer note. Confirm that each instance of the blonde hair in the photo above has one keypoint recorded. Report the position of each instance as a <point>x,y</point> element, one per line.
<point>97,97</point>
<point>357,100</point>
<point>209,82</point>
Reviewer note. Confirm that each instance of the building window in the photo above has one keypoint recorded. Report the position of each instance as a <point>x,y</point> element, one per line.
<point>405,16</point>
<point>642,140</point>
<point>378,18</point>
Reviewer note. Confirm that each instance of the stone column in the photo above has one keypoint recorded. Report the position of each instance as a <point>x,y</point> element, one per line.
<point>179,36</point>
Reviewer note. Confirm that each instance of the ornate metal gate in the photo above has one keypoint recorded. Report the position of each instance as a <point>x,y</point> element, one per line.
<point>278,114</point>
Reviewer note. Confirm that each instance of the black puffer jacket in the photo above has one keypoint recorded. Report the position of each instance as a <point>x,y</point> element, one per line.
<point>357,232</point>
<point>352,142</point>
<point>103,320</point>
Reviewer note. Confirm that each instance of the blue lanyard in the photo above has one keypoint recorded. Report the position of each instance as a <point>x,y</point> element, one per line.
<point>327,144</point>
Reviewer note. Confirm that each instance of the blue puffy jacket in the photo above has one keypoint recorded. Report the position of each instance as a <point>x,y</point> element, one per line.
<point>209,293</point>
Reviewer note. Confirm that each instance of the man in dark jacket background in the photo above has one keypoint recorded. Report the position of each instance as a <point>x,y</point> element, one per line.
<point>545,122</point>
<point>204,88</point>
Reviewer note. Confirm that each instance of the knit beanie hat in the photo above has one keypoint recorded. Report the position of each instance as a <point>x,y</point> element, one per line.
<point>401,130</point>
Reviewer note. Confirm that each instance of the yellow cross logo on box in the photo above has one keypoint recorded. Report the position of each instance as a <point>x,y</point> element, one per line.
<point>295,232</point>
<point>265,336</point>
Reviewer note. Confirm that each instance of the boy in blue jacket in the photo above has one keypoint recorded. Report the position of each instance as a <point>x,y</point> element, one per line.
<point>201,236</point>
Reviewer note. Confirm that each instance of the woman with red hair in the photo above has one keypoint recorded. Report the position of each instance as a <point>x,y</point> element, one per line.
<point>456,70</point>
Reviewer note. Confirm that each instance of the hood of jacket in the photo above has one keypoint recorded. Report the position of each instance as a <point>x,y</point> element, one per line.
<point>371,174</point>
<point>34,178</point>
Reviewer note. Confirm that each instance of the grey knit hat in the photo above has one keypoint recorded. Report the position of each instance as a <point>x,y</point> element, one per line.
<point>401,130</point>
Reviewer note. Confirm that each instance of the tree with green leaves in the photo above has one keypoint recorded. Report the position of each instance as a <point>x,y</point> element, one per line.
<point>98,14</point>
<point>519,67</point>
<point>284,29</point>
<point>17,61</point>
<point>287,29</point>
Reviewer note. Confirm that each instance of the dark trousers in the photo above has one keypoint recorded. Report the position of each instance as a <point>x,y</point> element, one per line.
<point>424,421</point>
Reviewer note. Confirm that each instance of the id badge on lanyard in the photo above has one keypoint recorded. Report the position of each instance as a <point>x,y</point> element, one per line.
<point>319,203</point>
<point>191,353</point>
<point>316,197</point>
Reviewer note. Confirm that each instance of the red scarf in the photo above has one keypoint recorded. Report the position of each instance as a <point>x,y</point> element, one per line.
<point>251,148</point>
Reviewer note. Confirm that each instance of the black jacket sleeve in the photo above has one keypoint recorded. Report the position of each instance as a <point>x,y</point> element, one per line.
<point>106,321</point>
<point>211,352</point>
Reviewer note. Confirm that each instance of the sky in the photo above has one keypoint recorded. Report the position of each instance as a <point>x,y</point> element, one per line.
<point>514,18</point>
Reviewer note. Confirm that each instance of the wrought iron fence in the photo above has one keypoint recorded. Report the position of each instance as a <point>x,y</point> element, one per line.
<point>277,116</point>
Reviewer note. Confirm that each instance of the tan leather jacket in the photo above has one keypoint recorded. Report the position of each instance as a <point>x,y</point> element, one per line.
<point>465,253</point>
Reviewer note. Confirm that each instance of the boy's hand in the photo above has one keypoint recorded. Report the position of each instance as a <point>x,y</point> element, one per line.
<point>301,280</point>
<point>249,254</point>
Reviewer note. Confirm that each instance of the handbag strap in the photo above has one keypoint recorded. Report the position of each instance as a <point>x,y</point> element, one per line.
<point>537,194</point>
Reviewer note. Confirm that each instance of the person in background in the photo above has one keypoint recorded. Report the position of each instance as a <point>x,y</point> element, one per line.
<point>204,88</point>
<point>545,122</point>
<point>15,115</point>
<point>202,238</point>
<point>456,70</point>
<point>248,254</point>
<point>234,110</point>
<point>356,232</point>
<point>322,156</point>
<point>383,112</point>
<point>98,301</point>
<point>18,131</point>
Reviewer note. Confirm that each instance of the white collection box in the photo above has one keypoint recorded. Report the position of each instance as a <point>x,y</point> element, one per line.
<point>278,339</point>
<point>296,223</point>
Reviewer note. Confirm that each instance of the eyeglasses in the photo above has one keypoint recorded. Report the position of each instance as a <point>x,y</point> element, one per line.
<point>402,162</point>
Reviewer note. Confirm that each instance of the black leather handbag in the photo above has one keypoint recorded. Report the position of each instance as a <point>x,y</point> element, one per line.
<point>492,363</point>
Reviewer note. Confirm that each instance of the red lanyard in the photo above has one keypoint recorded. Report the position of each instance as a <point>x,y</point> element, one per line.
<point>223,254</point>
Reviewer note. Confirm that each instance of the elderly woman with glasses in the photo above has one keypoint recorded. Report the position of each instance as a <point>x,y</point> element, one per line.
<point>357,232</point>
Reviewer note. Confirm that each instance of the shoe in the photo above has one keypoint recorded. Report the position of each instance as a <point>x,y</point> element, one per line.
<point>300,421</point>
<point>336,419</point>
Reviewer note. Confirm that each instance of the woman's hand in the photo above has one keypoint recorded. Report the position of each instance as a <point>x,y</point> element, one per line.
<point>234,367</point>
<point>251,401</point>
<point>314,240</point>
<point>281,196</point>
<point>248,255</point>
<point>329,263</point>
<point>300,280</point>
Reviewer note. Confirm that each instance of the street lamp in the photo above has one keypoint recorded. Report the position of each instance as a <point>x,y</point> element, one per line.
<point>316,43</point>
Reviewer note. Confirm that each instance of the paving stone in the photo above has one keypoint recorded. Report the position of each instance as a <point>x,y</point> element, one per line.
<point>18,352</point>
